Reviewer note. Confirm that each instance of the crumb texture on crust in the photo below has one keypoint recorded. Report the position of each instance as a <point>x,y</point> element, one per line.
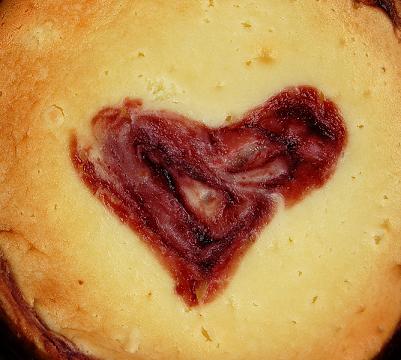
<point>325,273</point>
<point>391,7</point>
<point>26,323</point>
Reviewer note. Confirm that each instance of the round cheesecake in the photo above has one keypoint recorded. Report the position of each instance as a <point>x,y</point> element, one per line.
<point>201,179</point>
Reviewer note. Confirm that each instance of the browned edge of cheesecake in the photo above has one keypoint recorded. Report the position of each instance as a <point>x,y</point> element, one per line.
<point>40,342</point>
<point>391,7</point>
<point>25,323</point>
<point>391,350</point>
<point>36,337</point>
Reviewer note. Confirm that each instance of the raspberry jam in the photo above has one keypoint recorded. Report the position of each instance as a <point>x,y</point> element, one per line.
<point>199,195</point>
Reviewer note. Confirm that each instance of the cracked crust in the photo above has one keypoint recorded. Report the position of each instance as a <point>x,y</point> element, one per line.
<point>72,277</point>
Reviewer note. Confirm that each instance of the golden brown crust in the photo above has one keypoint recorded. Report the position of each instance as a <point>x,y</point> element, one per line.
<point>391,7</point>
<point>393,347</point>
<point>27,325</point>
<point>56,72</point>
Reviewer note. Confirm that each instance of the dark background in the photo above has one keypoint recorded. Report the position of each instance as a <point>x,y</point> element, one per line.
<point>393,350</point>
<point>11,349</point>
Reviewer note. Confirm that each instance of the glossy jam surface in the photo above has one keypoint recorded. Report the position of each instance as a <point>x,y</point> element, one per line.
<point>200,195</point>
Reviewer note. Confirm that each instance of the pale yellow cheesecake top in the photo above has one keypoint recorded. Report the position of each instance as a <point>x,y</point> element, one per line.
<point>323,278</point>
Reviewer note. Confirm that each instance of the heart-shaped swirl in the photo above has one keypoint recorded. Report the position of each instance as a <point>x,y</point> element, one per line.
<point>198,195</point>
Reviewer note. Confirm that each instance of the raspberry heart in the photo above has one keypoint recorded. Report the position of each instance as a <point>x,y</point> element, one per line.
<point>198,195</point>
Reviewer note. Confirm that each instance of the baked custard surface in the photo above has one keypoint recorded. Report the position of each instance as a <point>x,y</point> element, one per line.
<point>322,279</point>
